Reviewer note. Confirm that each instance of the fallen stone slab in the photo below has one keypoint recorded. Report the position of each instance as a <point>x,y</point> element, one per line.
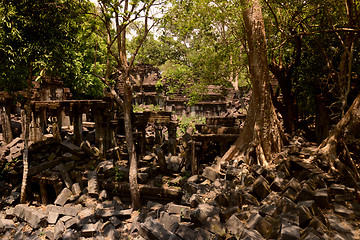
<point>52,217</point>
<point>210,173</point>
<point>58,230</point>
<point>70,234</point>
<point>306,193</point>
<point>182,210</point>
<point>33,217</point>
<point>185,232</point>
<point>89,230</point>
<point>55,209</point>
<point>168,220</point>
<point>72,222</point>
<point>62,198</point>
<point>109,231</point>
<point>115,221</point>
<point>260,224</point>
<point>72,210</point>
<point>154,230</point>
<point>290,233</point>
<point>344,211</point>
<point>93,185</point>
<point>251,234</point>
<point>6,224</point>
<point>204,211</point>
<point>234,226</point>
<point>261,187</point>
<point>321,197</point>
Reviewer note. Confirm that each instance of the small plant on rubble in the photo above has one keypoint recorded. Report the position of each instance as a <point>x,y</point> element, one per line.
<point>119,175</point>
<point>185,122</point>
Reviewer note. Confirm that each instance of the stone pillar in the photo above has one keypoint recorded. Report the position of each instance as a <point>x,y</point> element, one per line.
<point>56,128</point>
<point>99,129</point>
<point>194,164</point>
<point>6,123</point>
<point>43,193</point>
<point>172,137</point>
<point>77,115</point>
<point>36,133</point>
<point>23,121</point>
<point>141,129</point>
<point>158,134</point>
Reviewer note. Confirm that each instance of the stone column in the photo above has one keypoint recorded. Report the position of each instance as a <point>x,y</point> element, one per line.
<point>172,137</point>
<point>194,163</point>
<point>77,115</point>
<point>99,129</point>
<point>6,123</point>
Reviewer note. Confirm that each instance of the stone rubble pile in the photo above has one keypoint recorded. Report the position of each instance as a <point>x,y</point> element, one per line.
<point>292,199</point>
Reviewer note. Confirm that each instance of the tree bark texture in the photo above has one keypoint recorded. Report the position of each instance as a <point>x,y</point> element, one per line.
<point>262,133</point>
<point>346,128</point>
<point>134,187</point>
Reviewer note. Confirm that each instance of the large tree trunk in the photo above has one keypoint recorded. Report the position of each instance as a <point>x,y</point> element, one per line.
<point>346,128</point>
<point>134,188</point>
<point>262,133</point>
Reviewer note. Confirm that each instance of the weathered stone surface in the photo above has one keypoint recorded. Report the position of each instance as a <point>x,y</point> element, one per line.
<point>251,234</point>
<point>72,222</point>
<point>59,229</point>
<point>210,173</point>
<point>267,209</point>
<point>6,224</point>
<point>337,189</point>
<point>55,209</point>
<point>185,232</point>
<point>194,200</point>
<point>226,213</point>
<point>63,197</point>
<point>290,233</point>
<point>203,212</point>
<point>75,188</point>
<point>310,234</point>
<point>9,213</point>
<point>70,234</point>
<point>115,221</point>
<point>215,226</point>
<point>234,226</point>
<point>184,211</point>
<point>290,218</point>
<point>260,224</point>
<point>321,197</point>
<point>277,184</point>
<point>261,187</point>
<point>52,217</point>
<point>343,211</point>
<point>88,230</point>
<point>154,230</point>
<point>93,185</point>
<point>168,220</point>
<point>33,217</point>
<point>306,193</point>
<point>109,231</point>
<point>305,216</point>
<point>247,198</point>
<point>285,205</point>
<point>318,225</point>
<point>72,210</point>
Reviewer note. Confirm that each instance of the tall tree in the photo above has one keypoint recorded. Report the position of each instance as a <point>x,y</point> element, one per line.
<point>262,132</point>
<point>33,34</point>
<point>117,16</point>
